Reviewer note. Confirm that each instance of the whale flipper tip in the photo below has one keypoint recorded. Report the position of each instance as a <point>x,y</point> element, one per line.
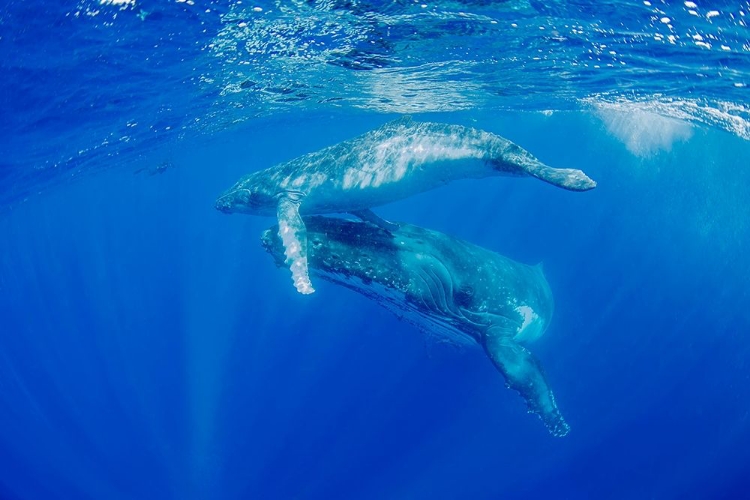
<point>304,286</point>
<point>557,427</point>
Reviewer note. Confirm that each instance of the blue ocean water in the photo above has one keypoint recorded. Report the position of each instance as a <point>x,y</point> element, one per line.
<point>149,348</point>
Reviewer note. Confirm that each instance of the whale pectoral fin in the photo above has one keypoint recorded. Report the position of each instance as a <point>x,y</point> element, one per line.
<point>368,215</point>
<point>294,237</point>
<point>524,374</point>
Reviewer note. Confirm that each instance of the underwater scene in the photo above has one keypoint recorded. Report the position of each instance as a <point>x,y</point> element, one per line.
<point>374,250</point>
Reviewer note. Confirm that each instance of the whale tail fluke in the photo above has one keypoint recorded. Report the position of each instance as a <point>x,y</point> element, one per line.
<point>567,178</point>
<point>513,158</point>
<point>524,374</point>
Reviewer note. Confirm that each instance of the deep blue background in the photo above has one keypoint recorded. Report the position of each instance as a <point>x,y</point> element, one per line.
<point>150,349</point>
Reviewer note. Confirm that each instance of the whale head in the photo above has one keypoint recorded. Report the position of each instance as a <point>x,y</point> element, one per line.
<point>248,196</point>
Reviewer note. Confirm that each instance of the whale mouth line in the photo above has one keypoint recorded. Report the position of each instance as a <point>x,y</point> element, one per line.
<point>223,206</point>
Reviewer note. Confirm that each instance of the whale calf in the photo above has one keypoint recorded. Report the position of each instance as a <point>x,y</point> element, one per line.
<point>395,161</point>
<point>443,285</point>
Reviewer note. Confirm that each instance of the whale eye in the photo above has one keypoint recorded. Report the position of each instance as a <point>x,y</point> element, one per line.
<point>244,196</point>
<point>251,197</point>
<point>464,296</point>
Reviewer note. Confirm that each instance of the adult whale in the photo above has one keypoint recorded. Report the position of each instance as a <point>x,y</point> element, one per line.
<point>443,285</point>
<point>392,162</point>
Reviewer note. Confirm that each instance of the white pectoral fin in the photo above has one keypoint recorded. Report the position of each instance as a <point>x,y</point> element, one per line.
<point>524,374</point>
<point>294,237</point>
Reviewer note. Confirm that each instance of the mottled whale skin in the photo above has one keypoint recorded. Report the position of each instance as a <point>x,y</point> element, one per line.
<point>445,286</point>
<point>390,163</point>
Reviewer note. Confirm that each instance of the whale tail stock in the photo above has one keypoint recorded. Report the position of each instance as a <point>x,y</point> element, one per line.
<point>514,158</point>
<point>524,374</point>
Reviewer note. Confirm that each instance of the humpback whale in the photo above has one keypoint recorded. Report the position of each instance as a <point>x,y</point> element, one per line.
<point>395,161</point>
<point>445,286</point>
